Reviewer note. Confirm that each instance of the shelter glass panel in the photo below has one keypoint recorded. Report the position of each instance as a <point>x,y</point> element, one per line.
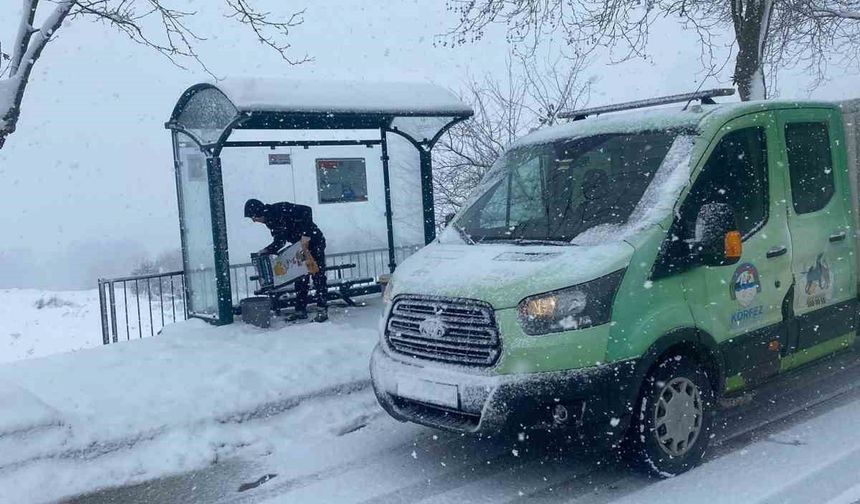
<point>207,114</point>
<point>421,128</point>
<point>196,226</point>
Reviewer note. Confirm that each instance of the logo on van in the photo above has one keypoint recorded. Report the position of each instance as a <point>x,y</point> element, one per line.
<point>745,284</point>
<point>818,283</point>
<point>432,328</point>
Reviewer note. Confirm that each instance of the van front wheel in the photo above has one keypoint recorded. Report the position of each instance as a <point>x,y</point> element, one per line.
<point>671,426</point>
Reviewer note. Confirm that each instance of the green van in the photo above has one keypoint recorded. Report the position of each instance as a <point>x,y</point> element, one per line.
<point>621,274</point>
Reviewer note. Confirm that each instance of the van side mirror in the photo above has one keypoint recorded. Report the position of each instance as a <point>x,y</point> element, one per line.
<point>448,218</point>
<point>717,240</point>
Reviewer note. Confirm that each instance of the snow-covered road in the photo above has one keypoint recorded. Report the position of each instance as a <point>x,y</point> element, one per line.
<point>796,441</point>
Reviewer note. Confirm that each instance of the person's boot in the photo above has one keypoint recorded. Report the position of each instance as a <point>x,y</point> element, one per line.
<point>322,315</point>
<point>297,315</point>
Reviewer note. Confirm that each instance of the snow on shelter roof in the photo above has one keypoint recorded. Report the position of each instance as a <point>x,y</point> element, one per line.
<point>388,98</point>
<point>420,110</point>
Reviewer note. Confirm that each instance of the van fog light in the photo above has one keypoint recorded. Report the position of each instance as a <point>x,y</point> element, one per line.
<point>560,415</point>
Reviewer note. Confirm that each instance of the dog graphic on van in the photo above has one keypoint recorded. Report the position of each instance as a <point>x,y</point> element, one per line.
<point>817,282</point>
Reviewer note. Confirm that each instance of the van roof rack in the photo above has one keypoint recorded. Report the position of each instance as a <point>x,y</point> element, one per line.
<point>706,97</point>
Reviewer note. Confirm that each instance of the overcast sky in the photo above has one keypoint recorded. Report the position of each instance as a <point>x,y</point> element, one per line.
<point>86,183</point>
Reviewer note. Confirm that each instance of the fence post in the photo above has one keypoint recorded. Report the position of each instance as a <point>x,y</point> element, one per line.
<point>103,313</point>
<point>112,298</point>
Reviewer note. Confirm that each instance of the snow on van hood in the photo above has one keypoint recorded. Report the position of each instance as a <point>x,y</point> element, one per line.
<point>504,274</point>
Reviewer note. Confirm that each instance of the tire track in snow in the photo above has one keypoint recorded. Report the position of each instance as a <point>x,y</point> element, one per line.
<point>391,456</point>
<point>454,479</point>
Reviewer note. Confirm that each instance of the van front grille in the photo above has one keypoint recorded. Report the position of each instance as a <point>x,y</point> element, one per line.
<point>460,331</point>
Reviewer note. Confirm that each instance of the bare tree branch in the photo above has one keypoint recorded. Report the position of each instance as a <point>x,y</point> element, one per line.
<point>530,95</point>
<point>156,24</point>
<point>770,35</point>
<point>260,23</point>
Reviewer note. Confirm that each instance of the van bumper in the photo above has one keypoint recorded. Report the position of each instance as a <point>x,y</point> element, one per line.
<point>597,400</point>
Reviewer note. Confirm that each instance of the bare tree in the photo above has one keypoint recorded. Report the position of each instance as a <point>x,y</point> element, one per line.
<point>529,95</point>
<point>156,24</point>
<point>768,34</point>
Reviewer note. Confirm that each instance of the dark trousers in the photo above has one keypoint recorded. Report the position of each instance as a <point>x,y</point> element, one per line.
<point>317,249</point>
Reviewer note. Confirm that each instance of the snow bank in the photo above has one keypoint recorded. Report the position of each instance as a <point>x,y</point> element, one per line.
<point>180,392</point>
<point>21,411</point>
<point>28,426</point>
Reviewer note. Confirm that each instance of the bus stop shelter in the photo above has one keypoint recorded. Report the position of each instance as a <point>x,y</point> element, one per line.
<point>206,115</point>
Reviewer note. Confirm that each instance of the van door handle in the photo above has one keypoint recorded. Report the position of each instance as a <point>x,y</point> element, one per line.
<point>835,237</point>
<point>776,251</point>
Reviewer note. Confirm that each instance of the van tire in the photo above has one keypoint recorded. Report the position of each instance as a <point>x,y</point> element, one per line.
<point>652,447</point>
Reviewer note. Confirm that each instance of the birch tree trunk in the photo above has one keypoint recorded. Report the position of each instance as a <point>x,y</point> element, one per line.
<point>751,21</point>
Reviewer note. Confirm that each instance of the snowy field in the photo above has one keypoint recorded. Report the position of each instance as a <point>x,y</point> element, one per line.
<point>35,323</point>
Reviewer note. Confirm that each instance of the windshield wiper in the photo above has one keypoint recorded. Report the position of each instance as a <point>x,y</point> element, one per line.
<point>525,241</point>
<point>528,241</point>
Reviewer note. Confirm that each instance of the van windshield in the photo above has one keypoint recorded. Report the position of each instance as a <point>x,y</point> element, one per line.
<point>552,192</point>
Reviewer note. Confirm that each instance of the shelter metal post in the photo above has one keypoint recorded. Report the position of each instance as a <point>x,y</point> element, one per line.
<point>219,239</point>
<point>392,260</point>
<point>427,195</point>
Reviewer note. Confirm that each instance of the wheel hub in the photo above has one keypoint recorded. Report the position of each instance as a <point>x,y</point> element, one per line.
<point>678,416</point>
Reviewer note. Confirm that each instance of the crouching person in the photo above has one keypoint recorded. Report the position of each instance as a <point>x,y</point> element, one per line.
<point>288,223</point>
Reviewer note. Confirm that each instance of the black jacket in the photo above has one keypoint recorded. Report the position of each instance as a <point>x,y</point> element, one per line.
<point>288,222</point>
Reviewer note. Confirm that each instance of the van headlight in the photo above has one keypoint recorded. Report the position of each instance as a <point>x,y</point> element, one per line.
<point>579,307</point>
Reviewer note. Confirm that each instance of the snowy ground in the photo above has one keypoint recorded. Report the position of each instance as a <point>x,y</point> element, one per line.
<point>182,400</point>
<point>35,323</point>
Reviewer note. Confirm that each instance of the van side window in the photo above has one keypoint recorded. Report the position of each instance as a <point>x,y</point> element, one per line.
<point>735,174</point>
<point>810,165</point>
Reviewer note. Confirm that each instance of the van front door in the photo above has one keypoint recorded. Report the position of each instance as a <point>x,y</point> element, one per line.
<point>741,305</point>
<point>825,295</point>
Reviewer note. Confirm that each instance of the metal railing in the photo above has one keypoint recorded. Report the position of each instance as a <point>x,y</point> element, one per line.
<point>140,306</point>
